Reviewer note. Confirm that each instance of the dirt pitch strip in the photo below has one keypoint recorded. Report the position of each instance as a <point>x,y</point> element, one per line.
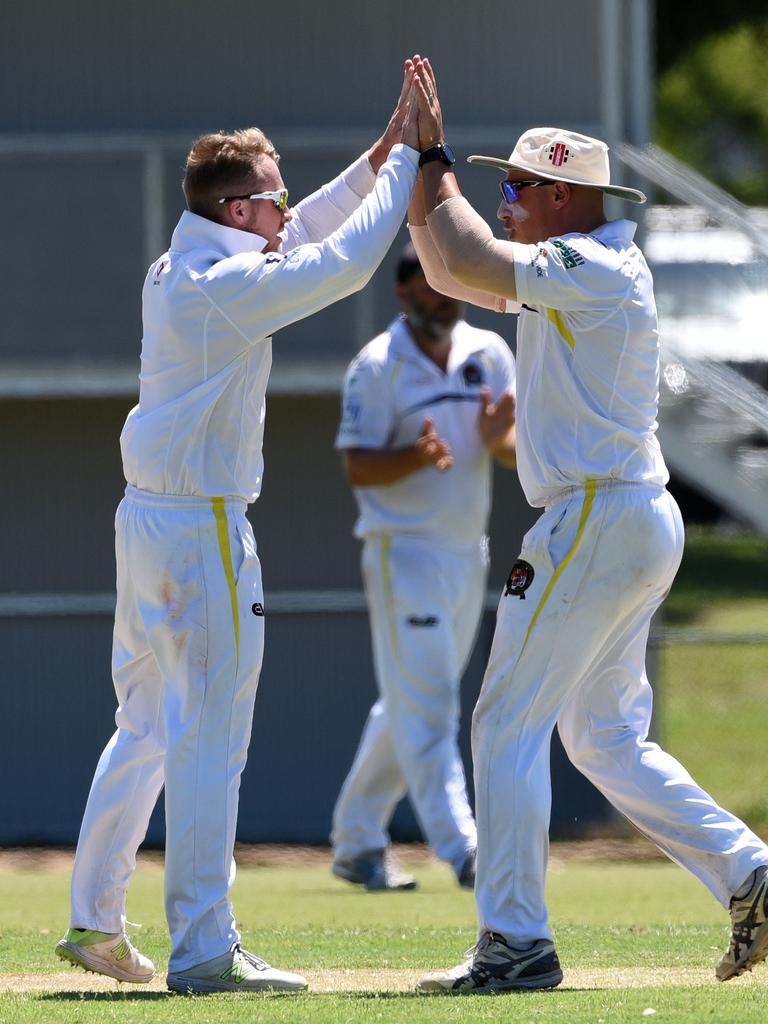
<point>373,981</point>
<point>281,855</point>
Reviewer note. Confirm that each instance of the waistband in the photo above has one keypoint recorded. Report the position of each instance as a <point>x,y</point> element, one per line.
<point>149,499</point>
<point>600,487</point>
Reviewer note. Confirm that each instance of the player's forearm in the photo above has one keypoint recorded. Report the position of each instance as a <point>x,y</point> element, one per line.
<point>504,450</point>
<point>314,276</point>
<point>417,211</point>
<point>325,210</point>
<point>379,152</point>
<point>438,277</point>
<point>363,239</point>
<point>377,467</point>
<point>469,250</point>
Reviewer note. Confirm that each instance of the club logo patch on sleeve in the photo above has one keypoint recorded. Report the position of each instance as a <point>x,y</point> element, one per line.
<point>519,579</point>
<point>472,374</point>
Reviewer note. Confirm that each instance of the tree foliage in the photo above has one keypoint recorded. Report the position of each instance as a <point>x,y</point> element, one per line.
<point>712,108</point>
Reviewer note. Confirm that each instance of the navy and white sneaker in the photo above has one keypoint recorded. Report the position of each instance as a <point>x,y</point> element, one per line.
<point>749,930</point>
<point>377,870</point>
<point>495,966</point>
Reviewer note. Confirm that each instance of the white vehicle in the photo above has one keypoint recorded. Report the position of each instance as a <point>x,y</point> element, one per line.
<point>711,288</point>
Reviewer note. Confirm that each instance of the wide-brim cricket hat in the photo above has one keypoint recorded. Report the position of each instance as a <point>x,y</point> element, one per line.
<point>560,155</point>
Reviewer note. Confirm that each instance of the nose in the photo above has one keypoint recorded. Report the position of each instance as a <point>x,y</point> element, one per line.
<point>287,215</point>
<point>503,211</point>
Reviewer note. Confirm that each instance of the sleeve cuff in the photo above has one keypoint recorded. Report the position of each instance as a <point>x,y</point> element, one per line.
<point>411,155</point>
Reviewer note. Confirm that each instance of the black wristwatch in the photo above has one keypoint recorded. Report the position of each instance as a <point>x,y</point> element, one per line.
<point>442,151</point>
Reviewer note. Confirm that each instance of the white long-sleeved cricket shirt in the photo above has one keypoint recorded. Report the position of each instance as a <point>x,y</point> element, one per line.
<point>210,307</point>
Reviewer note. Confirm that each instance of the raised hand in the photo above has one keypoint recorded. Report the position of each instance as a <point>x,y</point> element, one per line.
<point>396,129</point>
<point>430,112</point>
<point>432,449</point>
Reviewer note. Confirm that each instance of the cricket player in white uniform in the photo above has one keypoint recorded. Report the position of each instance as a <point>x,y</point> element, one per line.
<point>189,623</point>
<point>569,648</point>
<point>427,406</point>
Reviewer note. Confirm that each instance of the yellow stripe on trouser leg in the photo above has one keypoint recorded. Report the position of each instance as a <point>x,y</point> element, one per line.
<point>222,531</point>
<point>589,497</point>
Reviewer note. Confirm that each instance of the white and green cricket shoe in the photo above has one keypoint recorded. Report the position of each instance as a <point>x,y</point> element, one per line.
<point>110,953</point>
<point>237,970</point>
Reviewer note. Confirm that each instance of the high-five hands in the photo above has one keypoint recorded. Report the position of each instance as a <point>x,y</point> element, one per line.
<point>432,449</point>
<point>417,119</point>
<point>402,126</point>
<point>430,115</point>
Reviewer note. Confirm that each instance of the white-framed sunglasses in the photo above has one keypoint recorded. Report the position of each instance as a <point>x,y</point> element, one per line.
<point>279,198</point>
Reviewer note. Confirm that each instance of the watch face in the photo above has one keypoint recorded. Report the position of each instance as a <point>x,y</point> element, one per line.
<point>440,151</point>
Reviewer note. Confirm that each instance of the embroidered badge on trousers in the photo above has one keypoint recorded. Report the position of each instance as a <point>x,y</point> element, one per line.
<point>519,579</point>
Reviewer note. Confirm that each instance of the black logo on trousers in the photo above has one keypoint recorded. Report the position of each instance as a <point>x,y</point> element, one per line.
<point>257,608</point>
<point>422,620</point>
<point>519,579</point>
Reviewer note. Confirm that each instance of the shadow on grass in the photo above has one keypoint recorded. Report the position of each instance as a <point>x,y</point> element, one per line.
<point>361,996</point>
<point>103,997</point>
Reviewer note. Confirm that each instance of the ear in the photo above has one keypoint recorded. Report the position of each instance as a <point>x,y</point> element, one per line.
<point>234,214</point>
<point>562,193</point>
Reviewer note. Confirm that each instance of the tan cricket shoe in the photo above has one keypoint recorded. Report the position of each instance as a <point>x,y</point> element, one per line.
<point>110,953</point>
<point>237,970</point>
<point>749,930</point>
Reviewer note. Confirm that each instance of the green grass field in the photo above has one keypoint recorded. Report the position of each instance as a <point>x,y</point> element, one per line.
<point>633,937</point>
<point>712,699</point>
<point>722,584</point>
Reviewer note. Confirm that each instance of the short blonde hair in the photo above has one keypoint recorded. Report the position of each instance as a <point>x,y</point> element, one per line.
<point>223,163</point>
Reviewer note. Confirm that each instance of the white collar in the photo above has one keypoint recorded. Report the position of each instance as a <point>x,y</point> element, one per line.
<point>623,229</point>
<point>402,343</point>
<point>195,232</point>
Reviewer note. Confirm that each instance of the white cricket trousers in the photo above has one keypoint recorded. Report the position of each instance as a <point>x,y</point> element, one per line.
<point>572,653</point>
<point>424,605</point>
<point>187,650</point>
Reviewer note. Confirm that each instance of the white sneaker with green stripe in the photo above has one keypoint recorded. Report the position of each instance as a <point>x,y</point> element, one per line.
<point>237,970</point>
<point>110,953</point>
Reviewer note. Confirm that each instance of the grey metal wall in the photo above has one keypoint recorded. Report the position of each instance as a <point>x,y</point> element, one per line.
<point>98,104</point>
<point>100,67</point>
